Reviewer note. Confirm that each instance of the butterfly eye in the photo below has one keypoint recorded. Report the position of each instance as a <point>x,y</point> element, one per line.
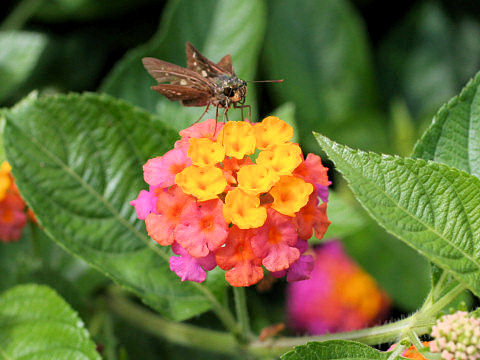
<point>228,92</point>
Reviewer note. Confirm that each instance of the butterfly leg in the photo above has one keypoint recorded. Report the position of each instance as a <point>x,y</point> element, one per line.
<point>200,118</point>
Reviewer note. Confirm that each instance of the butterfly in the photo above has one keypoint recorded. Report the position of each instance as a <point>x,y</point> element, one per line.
<point>201,83</point>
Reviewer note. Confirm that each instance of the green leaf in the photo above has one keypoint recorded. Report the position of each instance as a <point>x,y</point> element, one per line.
<point>35,323</point>
<point>454,135</point>
<point>322,55</point>
<point>215,28</point>
<point>77,160</point>
<point>335,350</point>
<point>19,55</point>
<point>432,207</point>
<point>452,139</point>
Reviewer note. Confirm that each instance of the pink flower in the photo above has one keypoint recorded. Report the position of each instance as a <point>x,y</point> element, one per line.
<point>12,217</point>
<point>300,269</point>
<point>145,203</point>
<point>275,242</point>
<point>206,129</point>
<point>339,296</point>
<point>202,228</point>
<point>312,217</point>
<point>313,171</point>
<point>161,225</point>
<point>188,267</point>
<point>161,171</point>
<point>238,258</point>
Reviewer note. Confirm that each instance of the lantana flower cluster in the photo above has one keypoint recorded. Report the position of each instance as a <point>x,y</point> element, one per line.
<point>457,337</point>
<point>12,207</point>
<point>339,296</point>
<point>240,196</point>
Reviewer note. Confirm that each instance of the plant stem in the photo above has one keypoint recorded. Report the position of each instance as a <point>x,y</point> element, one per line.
<point>242,312</point>
<point>420,323</point>
<point>178,333</point>
<point>20,15</point>
<point>222,312</point>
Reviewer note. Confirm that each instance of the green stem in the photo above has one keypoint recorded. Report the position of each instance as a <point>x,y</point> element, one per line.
<point>178,333</point>
<point>20,15</point>
<point>222,312</point>
<point>242,312</point>
<point>420,322</point>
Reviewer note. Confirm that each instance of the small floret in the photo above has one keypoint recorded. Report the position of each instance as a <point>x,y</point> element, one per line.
<point>290,194</point>
<point>205,152</point>
<point>272,131</point>
<point>282,159</point>
<point>237,138</point>
<point>256,179</point>
<point>205,182</point>
<point>161,171</point>
<point>244,210</point>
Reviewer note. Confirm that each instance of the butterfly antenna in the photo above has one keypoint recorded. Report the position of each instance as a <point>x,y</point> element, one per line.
<point>265,81</point>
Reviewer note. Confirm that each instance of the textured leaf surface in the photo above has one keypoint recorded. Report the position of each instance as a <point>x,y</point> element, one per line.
<point>36,324</point>
<point>215,28</point>
<point>322,54</point>
<point>335,350</point>
<point>432,207</point>
<point>78,162</point>
<point>19,55</point>
<point>454,136</point>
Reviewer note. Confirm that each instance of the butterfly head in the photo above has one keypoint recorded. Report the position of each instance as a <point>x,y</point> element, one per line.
<point>232,90</point>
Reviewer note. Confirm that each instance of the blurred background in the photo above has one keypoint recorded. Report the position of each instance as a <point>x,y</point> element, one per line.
<point>367,73</point>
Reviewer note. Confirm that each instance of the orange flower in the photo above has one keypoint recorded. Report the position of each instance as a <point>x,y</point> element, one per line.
<point>244,268</point>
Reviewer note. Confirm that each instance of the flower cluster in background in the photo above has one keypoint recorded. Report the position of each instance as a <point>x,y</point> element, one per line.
<point>12,207</point>
<point>339,296</point>
<point>457,336</point>
<point>239,196</point>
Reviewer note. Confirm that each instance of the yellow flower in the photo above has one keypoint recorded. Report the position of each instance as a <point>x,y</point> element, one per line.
<point>205,183</point>
<point>282,159</point>
<point>290,194</point>
<point>256,179</point>
<point>244,210</point>
<point>205,152</point>
<point>5,179</point>
<point>272,131</point>
<point>237,138</point>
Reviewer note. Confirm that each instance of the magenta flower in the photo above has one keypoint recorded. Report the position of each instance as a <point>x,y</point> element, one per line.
<point>339,296</point>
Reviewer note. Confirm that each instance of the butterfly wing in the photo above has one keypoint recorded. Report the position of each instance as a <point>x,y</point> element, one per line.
<point>183,93</point>
<point>206,68</point>
<point>165,72</point>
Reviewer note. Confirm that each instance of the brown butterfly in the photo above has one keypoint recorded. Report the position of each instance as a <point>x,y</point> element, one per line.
<point>202,83</point>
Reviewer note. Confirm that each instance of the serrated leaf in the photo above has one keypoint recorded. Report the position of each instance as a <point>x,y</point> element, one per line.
<point>77,160</point>
<point>322,54</point>
<point>452,139</point>
<point>432,207</point>
<point>335,350</point>
<point>36,324</point>
<point>20,53</point>
<point>216,28</point>
<point>454,135</point>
